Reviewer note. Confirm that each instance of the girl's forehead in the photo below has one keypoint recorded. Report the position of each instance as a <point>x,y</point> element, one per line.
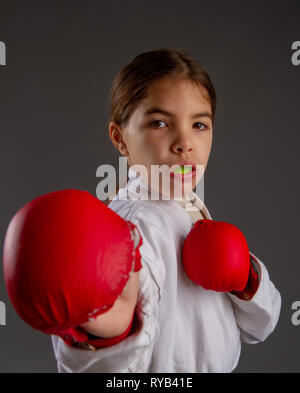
<point>166,101</point>
<point>170,82</point>
<point>176,86</point>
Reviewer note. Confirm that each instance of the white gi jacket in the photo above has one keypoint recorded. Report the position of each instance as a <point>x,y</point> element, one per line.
<point>183,327</point>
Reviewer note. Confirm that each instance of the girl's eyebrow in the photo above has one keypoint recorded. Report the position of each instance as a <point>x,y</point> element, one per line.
<point>164,112</point>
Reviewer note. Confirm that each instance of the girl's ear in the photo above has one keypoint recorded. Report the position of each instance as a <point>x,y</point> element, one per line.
<point>116,135</point>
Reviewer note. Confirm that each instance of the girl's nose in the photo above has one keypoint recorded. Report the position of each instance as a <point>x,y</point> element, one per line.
<point>182,143</point>
<point>181,149</point>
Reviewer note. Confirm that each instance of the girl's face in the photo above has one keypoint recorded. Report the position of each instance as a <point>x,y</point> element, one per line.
<point>178,128</point>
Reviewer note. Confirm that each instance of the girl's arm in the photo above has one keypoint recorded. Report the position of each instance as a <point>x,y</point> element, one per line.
<point>258,316</point>
<point>115,321</point>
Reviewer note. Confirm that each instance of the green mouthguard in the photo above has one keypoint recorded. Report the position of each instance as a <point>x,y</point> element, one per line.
<point>183,170</point>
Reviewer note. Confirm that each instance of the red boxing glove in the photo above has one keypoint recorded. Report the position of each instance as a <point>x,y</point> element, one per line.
<point>67,257</point>
<point>215,255</point>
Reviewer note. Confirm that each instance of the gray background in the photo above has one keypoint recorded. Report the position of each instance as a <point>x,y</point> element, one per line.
<point>61,60</point>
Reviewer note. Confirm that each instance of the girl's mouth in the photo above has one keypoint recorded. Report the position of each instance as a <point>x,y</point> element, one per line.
<point>184,172</point>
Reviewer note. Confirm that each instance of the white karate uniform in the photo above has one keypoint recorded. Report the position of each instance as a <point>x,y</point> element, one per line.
<point>182,327</point>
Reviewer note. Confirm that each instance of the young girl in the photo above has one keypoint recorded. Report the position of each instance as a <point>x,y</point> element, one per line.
<point>162,109</point>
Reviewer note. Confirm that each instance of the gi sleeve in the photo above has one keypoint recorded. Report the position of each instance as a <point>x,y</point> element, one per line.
<point>134,353</point>
<point>257,317</point>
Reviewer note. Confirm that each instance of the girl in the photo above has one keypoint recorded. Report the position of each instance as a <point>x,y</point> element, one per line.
<point>162,109</point>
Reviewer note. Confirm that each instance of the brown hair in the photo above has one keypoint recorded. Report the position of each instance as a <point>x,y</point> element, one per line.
<point>132,83</point>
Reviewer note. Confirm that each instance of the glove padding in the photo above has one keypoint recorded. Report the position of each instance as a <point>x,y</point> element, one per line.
<point>67,258</point>
<point>215,255</point>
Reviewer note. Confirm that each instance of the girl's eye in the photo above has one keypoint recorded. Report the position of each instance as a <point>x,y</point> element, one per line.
<point>202,125</point>
<point>161,121</point>
<point>157,121</point>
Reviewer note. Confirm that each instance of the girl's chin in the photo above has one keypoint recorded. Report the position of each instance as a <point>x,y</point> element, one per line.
<point>178,191</point>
